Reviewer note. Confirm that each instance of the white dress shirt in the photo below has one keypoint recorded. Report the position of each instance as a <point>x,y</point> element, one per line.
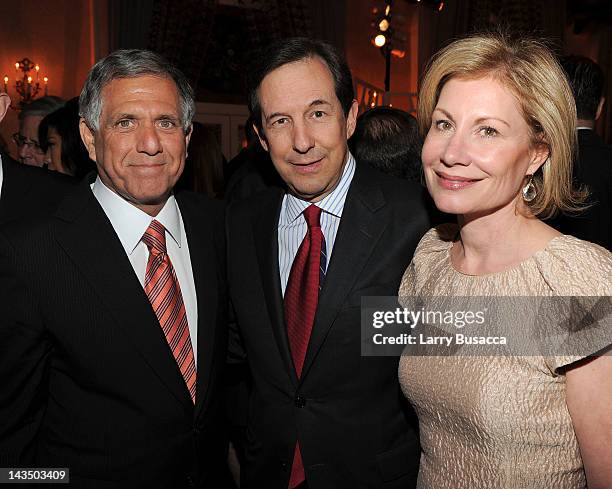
<point>292,225</point>
<point>130,224</point>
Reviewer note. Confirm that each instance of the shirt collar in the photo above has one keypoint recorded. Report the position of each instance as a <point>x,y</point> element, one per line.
<point>129,222</point>
<point>332,203</point>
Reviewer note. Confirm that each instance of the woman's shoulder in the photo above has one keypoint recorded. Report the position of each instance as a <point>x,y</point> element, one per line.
<point>429,258</point>
<point>572,266</point>
<point>435,241</point>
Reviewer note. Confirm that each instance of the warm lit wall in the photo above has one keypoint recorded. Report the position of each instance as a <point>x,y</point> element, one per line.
<point>56,34</point>
<point>365,60</point>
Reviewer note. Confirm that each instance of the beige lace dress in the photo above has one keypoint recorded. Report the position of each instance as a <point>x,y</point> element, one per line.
<point>499,422</point>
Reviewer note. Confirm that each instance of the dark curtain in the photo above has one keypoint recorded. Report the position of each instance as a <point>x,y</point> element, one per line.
<point>181,31</point>
<point>544,18</point>
<point>129,23</point>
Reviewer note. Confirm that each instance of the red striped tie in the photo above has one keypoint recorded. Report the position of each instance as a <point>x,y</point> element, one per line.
<point>164,293</point>
<point>301,298</point>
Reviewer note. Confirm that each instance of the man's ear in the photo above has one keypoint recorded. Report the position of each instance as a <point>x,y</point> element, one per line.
<point>5,103</point>
<point>187,139</point>
<point>540,154</point>
<point>600,107</point>
<point>87,136</point>
<point>262,137</point>
<point>351,119</point>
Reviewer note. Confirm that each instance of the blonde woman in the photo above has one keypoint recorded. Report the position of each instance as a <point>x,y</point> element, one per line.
<point>499,121</point>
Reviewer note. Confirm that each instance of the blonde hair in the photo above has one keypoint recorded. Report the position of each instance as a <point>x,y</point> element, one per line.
<point>529,69</point>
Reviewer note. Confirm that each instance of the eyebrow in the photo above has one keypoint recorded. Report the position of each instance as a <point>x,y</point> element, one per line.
<point>478,121</point>
<point>168,116</point>
<point>123,115</point>
<point>314,103</point>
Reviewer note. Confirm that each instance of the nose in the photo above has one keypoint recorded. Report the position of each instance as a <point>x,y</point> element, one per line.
<point>302,138</point>
<point>149,141</point>
<point>456,151</point>
<point>24,153</point>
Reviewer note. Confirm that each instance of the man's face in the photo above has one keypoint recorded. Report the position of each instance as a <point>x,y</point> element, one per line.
<point>30,152</point>
<point>304,127</point>
<point>140,147</point>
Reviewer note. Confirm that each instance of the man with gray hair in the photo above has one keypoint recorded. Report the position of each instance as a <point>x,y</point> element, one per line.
<point>30,152</point>
<point>113,339</point>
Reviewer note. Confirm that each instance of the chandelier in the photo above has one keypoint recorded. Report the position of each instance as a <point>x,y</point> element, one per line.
<point>27,83</point>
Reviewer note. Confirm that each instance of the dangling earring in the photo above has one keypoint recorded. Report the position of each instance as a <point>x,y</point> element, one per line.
<point>529,190</point>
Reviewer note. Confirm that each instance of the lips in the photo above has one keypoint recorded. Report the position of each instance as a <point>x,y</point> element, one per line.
<point>306,167</point>
<point>455,182</point>
<point>305,163</point>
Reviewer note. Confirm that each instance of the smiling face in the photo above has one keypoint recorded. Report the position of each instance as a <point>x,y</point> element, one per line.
<point>478,149</point>
<point>140,146</point>
<point>304,127</point>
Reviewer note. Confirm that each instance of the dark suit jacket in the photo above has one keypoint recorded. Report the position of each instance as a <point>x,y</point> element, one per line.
<point>593,169</point>
<point>28,191</point>
<point>88,381</point>
<point>347,411</point>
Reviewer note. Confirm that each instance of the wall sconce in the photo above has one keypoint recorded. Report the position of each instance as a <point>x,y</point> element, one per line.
<point>27,85</point>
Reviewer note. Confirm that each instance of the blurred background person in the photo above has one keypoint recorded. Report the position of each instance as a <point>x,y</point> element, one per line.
<point>59,138</point>
<point>26,191</point>
<point>251,170</point>
<point>593,166</point>
<point>388,139</point>
<point>28,144</point>
<point>204,164</point>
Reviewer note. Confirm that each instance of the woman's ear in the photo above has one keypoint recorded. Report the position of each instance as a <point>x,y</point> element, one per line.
<point>539,155</point>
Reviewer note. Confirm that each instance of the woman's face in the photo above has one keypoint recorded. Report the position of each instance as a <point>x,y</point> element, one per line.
<point>54,151</point>
<point>478,148</point>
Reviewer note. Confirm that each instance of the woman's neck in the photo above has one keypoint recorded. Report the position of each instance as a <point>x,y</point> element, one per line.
<point>498,241</point>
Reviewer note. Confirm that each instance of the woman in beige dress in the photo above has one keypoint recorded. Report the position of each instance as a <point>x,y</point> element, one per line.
<point>499,120</point>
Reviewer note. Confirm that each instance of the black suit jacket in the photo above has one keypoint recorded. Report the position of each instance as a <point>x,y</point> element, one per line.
<point>593,168</point>
<point>347,411</point>
<point>28,191</point>
<point>88,381</point>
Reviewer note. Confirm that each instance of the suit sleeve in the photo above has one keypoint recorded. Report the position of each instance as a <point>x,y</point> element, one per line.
<point>236,353</point>
<point>24,355</point>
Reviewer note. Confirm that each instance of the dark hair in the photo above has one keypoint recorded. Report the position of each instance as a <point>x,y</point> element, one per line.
<point>41,106</point>
<point>587,81</point>
<point>388,139</point>
<point>132,63</point>
<point>295,49</point>
<point>65,121</point>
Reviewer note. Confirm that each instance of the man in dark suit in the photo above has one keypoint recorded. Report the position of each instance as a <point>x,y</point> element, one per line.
<point>25,190</point>
<point>113,338</point>
<point>320,415</point>
<point>593,167</point>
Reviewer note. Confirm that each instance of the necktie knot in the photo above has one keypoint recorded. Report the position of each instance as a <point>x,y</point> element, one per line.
<point>312,214</point>
<point>155,237</point>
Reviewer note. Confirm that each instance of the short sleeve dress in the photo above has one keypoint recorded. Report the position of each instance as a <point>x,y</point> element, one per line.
<point>499,422</point>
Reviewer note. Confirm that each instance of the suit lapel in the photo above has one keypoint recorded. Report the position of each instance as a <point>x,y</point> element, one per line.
<point>200,239</point>
<point>265,231</point>
<point>360,228</point>
<point>87,236</point>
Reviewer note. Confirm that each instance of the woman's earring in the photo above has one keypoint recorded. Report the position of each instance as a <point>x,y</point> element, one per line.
<point>529,190</point>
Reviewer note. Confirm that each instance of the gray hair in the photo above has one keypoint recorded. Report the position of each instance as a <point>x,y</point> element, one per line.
<point>41,106</point>
<point>132,63</point>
